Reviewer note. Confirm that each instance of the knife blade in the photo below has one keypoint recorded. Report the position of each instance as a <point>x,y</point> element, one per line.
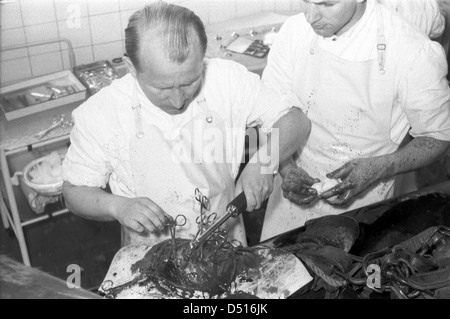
<point>233,209</point>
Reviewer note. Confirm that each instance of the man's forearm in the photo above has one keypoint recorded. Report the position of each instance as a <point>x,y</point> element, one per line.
<point>91,202</point>
<point>293,130</point>
<point>284,166</point>
<point>418,153</point>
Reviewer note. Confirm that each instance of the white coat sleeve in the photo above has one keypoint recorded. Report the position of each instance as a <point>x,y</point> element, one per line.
<point>438,21</point>
<point>85,163</point>
<point>422,14</point>
<point>425,94</point>
<point>279,72</point>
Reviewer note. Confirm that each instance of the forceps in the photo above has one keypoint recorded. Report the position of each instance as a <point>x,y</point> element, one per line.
<point>179,220</point>
<point>204,205</point>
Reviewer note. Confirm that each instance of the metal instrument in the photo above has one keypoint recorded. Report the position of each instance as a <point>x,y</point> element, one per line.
<point>172,223</point>
<point>178,221</point>
<point>57,122</point>
<point>234,209</point>
<point>202,220</point>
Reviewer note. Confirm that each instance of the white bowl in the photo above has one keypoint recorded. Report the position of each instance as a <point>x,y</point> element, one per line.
<point>51,189</point>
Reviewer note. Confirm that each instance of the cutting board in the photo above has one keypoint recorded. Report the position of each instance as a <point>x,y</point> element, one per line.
<point>279,275</point>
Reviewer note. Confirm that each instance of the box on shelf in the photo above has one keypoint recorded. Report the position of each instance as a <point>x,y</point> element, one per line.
<point>41,93</point>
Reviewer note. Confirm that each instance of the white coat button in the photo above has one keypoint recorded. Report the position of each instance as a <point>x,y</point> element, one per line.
<point>209,119</point>
<point>312,51</point>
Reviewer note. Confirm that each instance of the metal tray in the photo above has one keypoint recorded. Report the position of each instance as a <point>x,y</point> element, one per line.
<point>96,75</point>
<point>40,94</point>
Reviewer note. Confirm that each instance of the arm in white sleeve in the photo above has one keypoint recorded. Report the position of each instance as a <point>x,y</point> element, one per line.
<point>425,99</point>
<point>279,72</point>
<point>86,171</point>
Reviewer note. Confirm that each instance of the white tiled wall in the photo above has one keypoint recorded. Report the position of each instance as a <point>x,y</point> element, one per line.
<point>95,29</point>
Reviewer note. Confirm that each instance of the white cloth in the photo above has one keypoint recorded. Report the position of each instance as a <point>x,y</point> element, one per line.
<point>413,94</point>
<point>104,125</point>
<point>422,14</point>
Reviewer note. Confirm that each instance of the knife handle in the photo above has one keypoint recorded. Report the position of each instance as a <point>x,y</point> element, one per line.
<point>237,205</point>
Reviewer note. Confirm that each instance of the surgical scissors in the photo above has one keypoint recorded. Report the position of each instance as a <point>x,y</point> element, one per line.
<point>172,223</point>
<point>178,221</point>
<point>206,220</point>
<point>202,199</point>
<point>204,205</point>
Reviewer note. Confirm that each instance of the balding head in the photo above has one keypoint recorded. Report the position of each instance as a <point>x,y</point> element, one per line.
<point>174,29</point>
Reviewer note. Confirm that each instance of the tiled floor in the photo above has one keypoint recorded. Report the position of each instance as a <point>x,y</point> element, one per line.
<point>67,239</point>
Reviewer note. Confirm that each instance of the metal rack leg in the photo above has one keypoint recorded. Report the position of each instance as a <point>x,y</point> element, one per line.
<point>3,212</point>
<point>14,211</point>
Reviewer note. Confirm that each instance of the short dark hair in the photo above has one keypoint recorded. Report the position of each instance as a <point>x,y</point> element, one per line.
<point>178,25</point>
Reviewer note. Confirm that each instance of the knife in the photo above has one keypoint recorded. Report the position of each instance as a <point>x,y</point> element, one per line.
<point>234,209</point>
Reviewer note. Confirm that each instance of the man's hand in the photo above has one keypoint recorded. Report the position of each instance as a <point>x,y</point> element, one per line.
<point>139,214</point>
<point>256,186</point>
<point>297,184</point>
<point>357,176</point>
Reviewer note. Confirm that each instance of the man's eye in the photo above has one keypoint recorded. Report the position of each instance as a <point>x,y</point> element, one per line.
<point>192,84</point>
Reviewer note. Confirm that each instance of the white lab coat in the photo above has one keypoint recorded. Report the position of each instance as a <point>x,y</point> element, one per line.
<point>369,113</point>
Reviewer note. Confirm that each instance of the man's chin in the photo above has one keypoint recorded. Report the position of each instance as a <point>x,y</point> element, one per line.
<point>173,111</point>
<point>323,33</point>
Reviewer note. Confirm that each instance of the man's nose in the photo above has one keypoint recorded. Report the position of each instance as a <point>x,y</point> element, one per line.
<point>177,98</point>
<point>312,13</point>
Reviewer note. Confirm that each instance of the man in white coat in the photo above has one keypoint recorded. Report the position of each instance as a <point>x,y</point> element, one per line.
<point>173,132</point>
<point>365,78</point>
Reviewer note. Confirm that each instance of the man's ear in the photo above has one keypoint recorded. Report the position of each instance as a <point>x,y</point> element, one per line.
<point>130,65</point>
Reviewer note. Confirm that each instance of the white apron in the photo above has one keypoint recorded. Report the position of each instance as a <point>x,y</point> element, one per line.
<point>160,174</point>
<point>349,104</point>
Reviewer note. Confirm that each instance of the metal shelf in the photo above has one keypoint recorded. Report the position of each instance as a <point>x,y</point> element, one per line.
<point>29,217</point>
<point>13,213</point>
<point>44,217</point>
